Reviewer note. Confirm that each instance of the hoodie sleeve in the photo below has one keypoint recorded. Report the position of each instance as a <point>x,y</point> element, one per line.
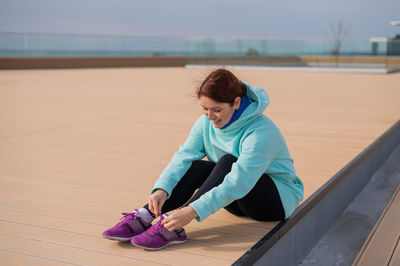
<point>258,150</point>
<point>193,149</point>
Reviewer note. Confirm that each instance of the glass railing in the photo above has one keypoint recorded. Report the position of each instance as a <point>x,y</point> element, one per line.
<point>230,47</point>
<point>48,45</point>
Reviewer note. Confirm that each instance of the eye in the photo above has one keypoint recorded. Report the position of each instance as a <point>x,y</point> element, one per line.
<point>217,110</point>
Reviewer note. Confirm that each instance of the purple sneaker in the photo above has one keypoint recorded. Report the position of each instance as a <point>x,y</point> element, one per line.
<point>131,225</point>
<point>158,237</point>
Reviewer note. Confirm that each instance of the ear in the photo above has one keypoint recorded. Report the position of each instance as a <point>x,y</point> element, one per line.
<point>238,100</point>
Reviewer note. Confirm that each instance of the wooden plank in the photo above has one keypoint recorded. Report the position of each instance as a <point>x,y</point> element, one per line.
<point>66,196</point>
<point>381,243</point>
<point>59,252</point>
<point>10,257</point>
<point>395,259</point>
<point>240,230</point>
<point>90,246</point>
<point>199,238</point>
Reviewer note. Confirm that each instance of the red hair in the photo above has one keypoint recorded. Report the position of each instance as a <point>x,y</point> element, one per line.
<point>222,86</point>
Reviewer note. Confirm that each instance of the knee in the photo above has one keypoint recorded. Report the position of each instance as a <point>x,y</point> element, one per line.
<point>227,158</point>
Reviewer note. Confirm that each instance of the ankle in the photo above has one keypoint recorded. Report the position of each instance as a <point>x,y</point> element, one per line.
<point>145,215</point>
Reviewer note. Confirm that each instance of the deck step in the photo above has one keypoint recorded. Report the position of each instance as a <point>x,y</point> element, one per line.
<point>382,246</point>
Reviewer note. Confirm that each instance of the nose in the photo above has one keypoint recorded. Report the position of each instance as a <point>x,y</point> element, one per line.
<point>210,115</point>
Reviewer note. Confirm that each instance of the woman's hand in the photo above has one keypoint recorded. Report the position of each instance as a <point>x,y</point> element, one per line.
<point>157,200</point>
<point>179,218</point>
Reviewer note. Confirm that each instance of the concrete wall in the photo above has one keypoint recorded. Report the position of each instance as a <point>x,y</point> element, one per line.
<point>89,62</point>
<point>389,62</point>
<point>99,62</point>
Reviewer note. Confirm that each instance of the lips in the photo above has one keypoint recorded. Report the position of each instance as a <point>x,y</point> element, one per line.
<point>216,123</point>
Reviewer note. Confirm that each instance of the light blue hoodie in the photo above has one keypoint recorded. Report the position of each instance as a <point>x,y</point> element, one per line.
<point>257,143</point>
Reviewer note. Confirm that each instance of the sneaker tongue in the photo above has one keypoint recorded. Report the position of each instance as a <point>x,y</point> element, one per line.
<point>157,226</point>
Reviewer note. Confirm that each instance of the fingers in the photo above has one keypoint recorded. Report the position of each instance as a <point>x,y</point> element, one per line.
<point>152,205</point>
<point>167,219</point>
<point>175,221</point>
<point>156,201</point>
<point>170,224</point>
<point>170,227</point>
<point>156,206</point>
<point>179,218</point>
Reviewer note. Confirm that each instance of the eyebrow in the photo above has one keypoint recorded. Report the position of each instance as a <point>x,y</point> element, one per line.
<point>213,108</point>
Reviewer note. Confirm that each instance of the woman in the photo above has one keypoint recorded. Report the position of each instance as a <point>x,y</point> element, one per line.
<point>249,171</point>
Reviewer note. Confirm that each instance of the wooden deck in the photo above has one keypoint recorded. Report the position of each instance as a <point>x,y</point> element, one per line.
<point>383,244</point>
<point>78,147</point>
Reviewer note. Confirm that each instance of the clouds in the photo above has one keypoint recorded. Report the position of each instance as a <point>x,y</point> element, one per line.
<point>262,19</point>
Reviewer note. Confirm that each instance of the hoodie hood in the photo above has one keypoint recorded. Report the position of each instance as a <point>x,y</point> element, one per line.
<point>259,102</point>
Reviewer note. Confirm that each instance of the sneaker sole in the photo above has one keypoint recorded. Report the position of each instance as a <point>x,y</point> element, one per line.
<point>170,243</point>
<point>118,238</point>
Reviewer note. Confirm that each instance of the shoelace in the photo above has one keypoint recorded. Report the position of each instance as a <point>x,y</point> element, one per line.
<point>156,227</point>
<point>128,216</point>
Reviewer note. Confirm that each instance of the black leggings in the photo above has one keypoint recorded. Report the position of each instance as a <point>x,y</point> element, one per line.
<point>262,203</point>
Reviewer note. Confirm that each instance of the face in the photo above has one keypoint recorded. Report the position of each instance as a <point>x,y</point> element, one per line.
<point>219,113</point>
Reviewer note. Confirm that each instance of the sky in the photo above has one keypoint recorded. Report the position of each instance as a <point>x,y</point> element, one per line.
<point>278,19</point>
